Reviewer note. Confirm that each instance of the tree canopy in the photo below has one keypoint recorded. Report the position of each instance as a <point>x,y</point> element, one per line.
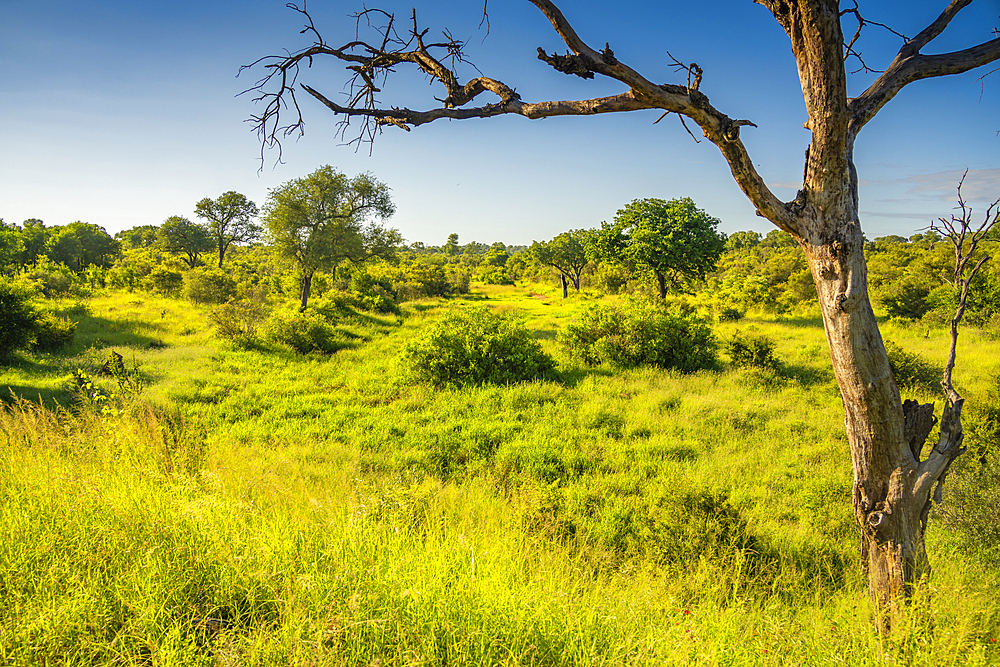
<point>326,217</point>
<point>179,235</point>
<point>567,253</point>
<point>229,219</point>
<point>674,240</point>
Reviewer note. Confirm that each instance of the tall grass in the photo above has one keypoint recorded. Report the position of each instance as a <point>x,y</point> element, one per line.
<point>289,509</point>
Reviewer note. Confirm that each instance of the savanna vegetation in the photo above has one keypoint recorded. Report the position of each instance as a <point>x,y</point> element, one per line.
<point>447,458</point>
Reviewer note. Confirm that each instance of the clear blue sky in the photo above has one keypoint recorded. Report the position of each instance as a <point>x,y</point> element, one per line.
<point>124,113</point>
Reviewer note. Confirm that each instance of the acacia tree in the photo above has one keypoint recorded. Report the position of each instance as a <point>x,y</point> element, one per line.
<point>177,234</point>
<point>567,253</point>
<point>675,240</point>
<point>229,220</point>
<point>325,218</point>
<point>893,483</point>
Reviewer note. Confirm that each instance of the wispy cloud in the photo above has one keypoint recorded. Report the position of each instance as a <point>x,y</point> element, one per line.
<point>902,216</point>
<point>785,184</point>
<point>979,185</point>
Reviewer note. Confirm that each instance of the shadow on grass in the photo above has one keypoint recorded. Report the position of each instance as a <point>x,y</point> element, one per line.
<point>100,332</point>
<point>48,397</point>
<point>802,322</point>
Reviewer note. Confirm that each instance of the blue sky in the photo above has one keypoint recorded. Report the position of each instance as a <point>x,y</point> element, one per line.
<point>123,113</point>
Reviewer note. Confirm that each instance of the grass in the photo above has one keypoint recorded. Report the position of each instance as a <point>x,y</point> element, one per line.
<point>261,507</point>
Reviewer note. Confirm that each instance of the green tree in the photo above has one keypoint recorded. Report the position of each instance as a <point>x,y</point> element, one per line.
<point>179,235</point>
<point>743,240</point>
<point>229,220</point>
<point>34,236</point>
<point>11,245</point>
<point>674,240</point>
<point>141,236</point>
<point>325,218</point>
<point>81,244</point>
<point>566,253</point>
<point>451,246</point>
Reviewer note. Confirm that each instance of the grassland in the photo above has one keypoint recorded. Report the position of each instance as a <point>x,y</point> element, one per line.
<point>258,507</point>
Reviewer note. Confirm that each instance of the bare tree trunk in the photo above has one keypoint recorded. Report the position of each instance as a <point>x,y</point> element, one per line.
<point>661,284</point>
<point>307,277</point>
<point>562,280</point>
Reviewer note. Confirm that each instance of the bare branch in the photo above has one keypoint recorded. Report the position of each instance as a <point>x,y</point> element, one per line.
<point>849,50</point>
<point>910,65</point>
<point>966,238</point>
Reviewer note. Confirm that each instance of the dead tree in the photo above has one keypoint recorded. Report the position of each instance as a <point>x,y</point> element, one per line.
<point>892,485</point>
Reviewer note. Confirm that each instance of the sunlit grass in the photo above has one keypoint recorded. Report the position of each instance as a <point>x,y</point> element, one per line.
<point>287,509</point>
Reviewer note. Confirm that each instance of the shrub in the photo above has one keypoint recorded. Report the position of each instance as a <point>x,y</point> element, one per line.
<point>53,332</point>
<point>166,280</point>
<point>474,346</point>
<point>749,350</point>
<point>905,300</point>
<point>730,315</point>
<point>641,333</point>
<point>54,280</point>
<point>304,332</point>
<point>972,505</point>
<point>913,371</point>
<point>18,317</point>
<point>210,286</point>
<point>238,321</point>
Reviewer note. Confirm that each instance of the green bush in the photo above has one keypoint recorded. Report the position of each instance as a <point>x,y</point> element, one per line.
<point>53,280</point>
<point>730,315</point>
<point>304,332</point>
<point>913,371</point>
<point>166,280</point>
<point>905,300</point>
<point>238,321</point>
<point>18,317</point>
<point>210,286</point>
<point>972,505</point>
<point>750,350</point>
<point>53,332</point>
<point>474,346</point>
<point>639,333</point>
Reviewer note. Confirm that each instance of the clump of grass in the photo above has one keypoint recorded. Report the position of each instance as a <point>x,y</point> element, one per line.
<point>913,371</point>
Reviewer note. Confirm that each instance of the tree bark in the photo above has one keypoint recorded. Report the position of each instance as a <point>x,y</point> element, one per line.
<point>307,277</point>
<point>661,284</point>
<point>562,280</point>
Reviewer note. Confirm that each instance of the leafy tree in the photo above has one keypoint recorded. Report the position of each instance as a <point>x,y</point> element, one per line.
<point>229,220</point>
<point>451,246</point>
<point>320,220</point>
<point>567,253</point>
<point>11,245</point>
<point>80,244</point>
<point>181,236</point>
<point>743,240</point>
<point>892,484</point>
<point>142,236</point>
<point>675,240</point>
<point>34,237</point>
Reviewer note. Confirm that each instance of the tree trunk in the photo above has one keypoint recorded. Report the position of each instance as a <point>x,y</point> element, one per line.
<point>661,283</point>
<point>575,277</point>
<point>307,277</point>
<point>562,281</point>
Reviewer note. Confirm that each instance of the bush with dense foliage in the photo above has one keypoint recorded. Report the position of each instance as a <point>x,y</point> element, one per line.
<point>52,332</point>
<point>751,350</point>
<point>18,317</point>
<point>304,332</point>
<point>913,371</point>
<point>474,346</point>
<point>210,286</point>
<point>238,321</point>
<point>641,333</point>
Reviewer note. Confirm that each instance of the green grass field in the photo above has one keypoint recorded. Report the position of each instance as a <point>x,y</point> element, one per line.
<point>259,507</point>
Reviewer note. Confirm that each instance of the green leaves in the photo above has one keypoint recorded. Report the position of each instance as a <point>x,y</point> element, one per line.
<point>673,239</point>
